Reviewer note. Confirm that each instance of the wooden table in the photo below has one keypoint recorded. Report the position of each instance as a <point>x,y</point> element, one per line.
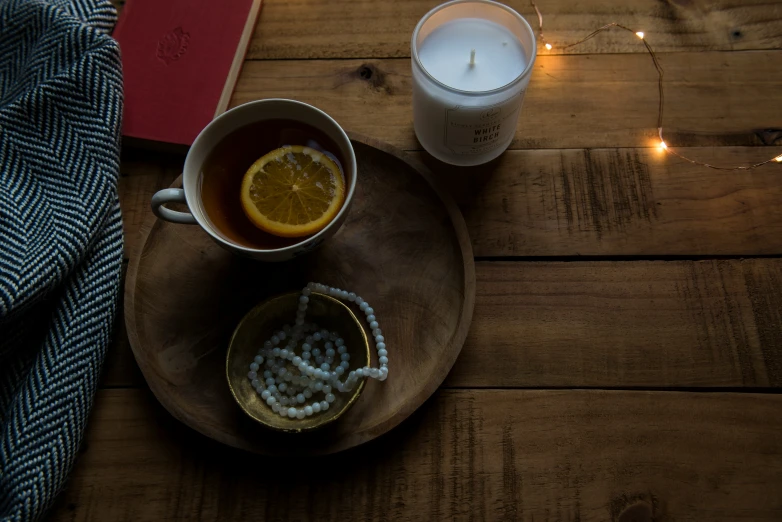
<point>625,357</point>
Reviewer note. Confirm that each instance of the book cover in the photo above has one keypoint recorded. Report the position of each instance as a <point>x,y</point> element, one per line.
<point>180,59</point>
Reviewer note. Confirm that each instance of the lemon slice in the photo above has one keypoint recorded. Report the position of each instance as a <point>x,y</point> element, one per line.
<point>293,191</point>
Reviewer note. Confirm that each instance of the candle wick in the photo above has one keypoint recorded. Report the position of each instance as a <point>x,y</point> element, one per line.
<point>472,58</point>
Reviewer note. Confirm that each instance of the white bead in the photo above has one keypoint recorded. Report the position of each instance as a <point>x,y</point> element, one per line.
<point>267,374</point>
<point>304,299</point>
<point>345,294</point>
<point>275,339</point>
<point>342,349</point>
<point>306,356</point>
<point>326,389</point>
<point>344,364</point>
<point>372,324</point>
<point>291,412</point>
<point>380,339</point>
<point>316,407</point>
<point>258,359</point>
<point>252,375</point>
<point>364,306</point>
<point>371,318</point>
<point>329,353</point>
<point>296,360</point>
<point>282,387</point>
<point>284,353</point>
<point>276,407</point>
<point>351,296</point>
<point>339,370</point>
<point>276,352</point>
<point>307,393</point>
<point>282,371</point>
<point>288,377</point>
<point>281,334</point>
<point>256,383</point>
<point>307,291</point>
<point>383,374</point>
<point>315,352</point>
<point>266,394</point>
<point>284,401</point>
<point>283,412</point>
<point>345,356</point>
<point>316,336</point>
<point>318,386</point>
<point>369,310</point>
<point>359,300</point>
<point>374,373</point>
<point>339,342</point>
<point>383,360</point>
<point>330,398</point>
<point>272,388</point>
<point>271,401</point>
<point>308,410</point>
<point>324,405</point>
<point>382,351</point>
<point>300,414</point>
<point>300,398</point>
<point>325,367</point>
<point>306,347</point>
<point>267,345</point>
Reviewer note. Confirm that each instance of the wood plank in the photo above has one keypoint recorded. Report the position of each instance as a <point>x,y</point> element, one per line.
<point>651,324</point>
<point>625,324</point>
<point>380,29</point>
<point>467,455</point>
<point>619,202</point>
<point>585,101</point>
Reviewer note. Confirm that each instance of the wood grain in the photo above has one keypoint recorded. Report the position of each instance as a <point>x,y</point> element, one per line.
<point>585,101</point>
<point>380,29</point>
<point>466,455</point>
<point>404,247</point>
<point>610,202</point>
<point>651,324</point>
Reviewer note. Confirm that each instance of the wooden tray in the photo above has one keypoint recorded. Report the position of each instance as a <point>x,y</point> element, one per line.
<point>404,247</point>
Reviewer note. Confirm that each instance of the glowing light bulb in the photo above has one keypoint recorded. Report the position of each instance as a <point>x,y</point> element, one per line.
<point>663,145</point>
<point>640,34</point>
<point>778,159</point>
<point>548,46</point>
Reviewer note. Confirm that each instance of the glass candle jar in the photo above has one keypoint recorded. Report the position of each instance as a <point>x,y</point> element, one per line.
<point>472,61</point>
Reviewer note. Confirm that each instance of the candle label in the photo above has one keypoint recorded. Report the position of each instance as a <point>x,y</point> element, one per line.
<point>477,130</point>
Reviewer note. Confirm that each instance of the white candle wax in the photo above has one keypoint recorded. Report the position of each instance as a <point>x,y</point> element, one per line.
<point>472,61</point>
<point>499,57</point>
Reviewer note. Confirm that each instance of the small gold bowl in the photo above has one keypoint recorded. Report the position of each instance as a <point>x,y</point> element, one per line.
<point>260,324</point>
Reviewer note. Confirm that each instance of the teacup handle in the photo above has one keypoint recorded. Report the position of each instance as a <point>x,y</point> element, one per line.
<point>171,195</point>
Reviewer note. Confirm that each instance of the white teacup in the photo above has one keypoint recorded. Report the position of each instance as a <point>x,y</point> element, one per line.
<point>219,128</point>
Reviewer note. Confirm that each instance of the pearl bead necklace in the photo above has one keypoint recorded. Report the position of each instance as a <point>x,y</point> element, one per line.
<point>291,380</point>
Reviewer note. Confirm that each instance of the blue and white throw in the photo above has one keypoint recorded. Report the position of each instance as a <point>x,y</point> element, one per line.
<point>60,236</point>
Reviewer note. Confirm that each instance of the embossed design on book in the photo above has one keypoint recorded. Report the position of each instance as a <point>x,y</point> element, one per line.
<point>172,46</point>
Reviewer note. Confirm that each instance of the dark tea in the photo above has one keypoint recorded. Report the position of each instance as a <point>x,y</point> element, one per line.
<point>226,164</point>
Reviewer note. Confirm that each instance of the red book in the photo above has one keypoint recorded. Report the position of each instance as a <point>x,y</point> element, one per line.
<point>180,61</point>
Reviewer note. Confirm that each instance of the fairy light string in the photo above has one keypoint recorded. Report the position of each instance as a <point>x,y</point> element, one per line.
<point>662,145</point>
